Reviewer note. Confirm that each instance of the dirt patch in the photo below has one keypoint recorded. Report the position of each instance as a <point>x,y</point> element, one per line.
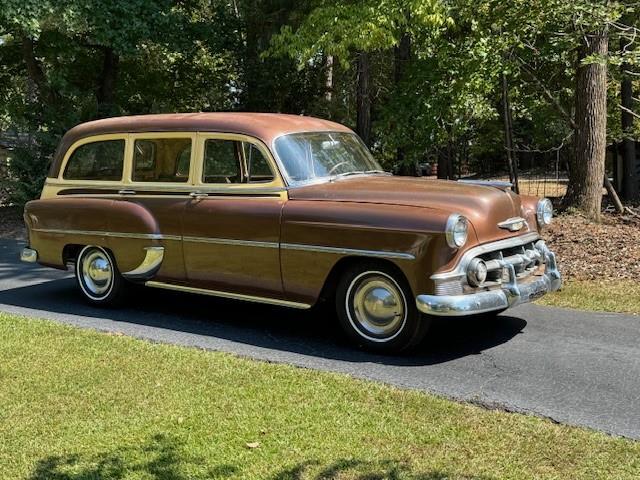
<point>11,223</point>
<point>590,251</point>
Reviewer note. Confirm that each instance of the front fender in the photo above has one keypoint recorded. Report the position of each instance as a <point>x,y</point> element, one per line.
<point>316,235</point>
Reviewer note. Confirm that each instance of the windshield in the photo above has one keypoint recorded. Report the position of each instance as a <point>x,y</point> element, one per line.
<point>319,155</point>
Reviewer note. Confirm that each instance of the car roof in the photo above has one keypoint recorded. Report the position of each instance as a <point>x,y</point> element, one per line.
<point>263,126</point>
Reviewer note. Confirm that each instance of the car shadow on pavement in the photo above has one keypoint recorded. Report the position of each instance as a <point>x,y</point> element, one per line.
<point>311,333</point>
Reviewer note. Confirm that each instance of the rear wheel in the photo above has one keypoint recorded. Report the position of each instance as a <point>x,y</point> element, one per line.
<point>376,309</point>
<point>98,277</point>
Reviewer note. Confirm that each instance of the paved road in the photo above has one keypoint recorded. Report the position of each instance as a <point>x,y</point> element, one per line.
<point>574,367</point>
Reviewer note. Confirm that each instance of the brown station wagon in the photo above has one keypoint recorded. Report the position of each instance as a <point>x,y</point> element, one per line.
<point>284,210</point>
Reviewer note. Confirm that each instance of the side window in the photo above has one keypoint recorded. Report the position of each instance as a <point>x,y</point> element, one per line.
<point>258,169</point>
<point>221,162</point>
<point>161,160</point>
<point>100,160</point>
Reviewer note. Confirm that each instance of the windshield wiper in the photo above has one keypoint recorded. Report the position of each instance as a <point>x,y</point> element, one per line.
<point>359,172</point>
<point>346,174</point>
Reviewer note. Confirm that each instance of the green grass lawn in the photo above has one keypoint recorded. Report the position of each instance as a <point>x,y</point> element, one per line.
<point>79,405</point>
<point>621,296</point>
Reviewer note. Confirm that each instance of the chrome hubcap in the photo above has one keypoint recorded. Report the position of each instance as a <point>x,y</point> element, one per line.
<point>97,274</point>
<point>378,306</point>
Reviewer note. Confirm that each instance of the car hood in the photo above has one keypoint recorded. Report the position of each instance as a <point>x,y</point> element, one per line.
<point>484,206</point>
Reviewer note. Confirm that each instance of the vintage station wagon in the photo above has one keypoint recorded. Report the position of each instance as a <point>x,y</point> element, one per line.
<point>283,210</point>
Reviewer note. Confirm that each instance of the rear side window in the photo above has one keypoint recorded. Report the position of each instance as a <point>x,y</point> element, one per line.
<point>161,160</point>
<point>258,169</point>
<point>222,162</point>
<point>96,161</point>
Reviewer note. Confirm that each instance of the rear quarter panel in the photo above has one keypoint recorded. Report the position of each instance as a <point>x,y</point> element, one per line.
<point>56,222</point>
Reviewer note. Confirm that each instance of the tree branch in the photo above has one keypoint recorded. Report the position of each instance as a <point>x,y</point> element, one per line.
<point>547,93</point>
<point>34,69</point>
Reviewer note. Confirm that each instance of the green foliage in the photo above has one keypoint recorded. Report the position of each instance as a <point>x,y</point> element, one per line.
<point>67,61</point>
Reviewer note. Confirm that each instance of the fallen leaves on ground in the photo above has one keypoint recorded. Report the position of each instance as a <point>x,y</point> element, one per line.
<point>595,251</point>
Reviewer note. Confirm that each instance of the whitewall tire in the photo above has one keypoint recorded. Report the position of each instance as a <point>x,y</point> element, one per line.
<point>376,309</point>
<point>98,277</point>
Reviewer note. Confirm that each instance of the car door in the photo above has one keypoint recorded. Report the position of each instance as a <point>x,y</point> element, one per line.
<point>231,225</point>
<point>156,186</point>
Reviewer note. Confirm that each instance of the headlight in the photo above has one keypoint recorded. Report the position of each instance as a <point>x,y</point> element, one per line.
<point>456,230</point>
<point>544,212</point>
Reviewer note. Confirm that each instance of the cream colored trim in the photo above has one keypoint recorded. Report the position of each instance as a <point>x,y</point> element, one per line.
<point>204,136</point>
<point>84,141</point>
<point>149,266</point>
<point>194,183</point>
<point>128,179</point>
<point>234,296</point>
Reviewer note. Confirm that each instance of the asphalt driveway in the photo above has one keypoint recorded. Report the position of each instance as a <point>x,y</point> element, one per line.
<point>573,367</point>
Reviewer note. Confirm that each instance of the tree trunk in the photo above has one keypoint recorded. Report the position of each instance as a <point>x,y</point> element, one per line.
<point>401,57</point>
<point>35,71</point>
<point>508,134</point>
<point>630,177</point>
<point>106,94</point>
<point>328,84</point>
<point>363,99</point>
<point>587,169</point>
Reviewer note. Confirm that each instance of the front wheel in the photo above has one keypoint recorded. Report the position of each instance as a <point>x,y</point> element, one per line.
<point>376,309</point>
<point>98,277</point>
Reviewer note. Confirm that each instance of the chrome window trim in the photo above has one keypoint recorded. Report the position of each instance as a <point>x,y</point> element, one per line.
<point>347,251</point>
<point>233,296</point>
<point>461,268</point>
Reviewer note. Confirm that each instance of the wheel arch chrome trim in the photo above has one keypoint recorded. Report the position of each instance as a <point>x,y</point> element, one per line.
<point>150,265</point>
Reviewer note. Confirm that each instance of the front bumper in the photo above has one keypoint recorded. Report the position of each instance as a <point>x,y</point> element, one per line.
<point>510,294</point>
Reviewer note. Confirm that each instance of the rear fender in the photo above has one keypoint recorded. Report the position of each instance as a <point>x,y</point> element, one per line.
<point>127,229</point>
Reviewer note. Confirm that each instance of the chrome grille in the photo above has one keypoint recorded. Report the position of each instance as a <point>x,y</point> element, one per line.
<point>525,254</point>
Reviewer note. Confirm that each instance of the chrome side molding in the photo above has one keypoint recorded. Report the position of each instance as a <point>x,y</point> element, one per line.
<point>230,295</point>
<point>149,266</point>
<point>348,251</point>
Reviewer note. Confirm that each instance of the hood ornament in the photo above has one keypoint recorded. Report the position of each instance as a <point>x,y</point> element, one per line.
<point>513,224</point>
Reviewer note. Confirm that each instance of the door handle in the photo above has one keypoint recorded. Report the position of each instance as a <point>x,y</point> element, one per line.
<point>198,195</point>
<point>126,192</point>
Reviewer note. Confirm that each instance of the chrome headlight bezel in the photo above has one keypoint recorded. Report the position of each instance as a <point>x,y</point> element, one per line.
<point>544,212</point>
<point>457,230</point>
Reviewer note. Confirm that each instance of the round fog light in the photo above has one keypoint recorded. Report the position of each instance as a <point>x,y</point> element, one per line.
<point>477,272</point>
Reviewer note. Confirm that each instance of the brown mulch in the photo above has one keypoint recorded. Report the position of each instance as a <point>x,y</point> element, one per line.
<point>589,251</point>
<point>11,223</point>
